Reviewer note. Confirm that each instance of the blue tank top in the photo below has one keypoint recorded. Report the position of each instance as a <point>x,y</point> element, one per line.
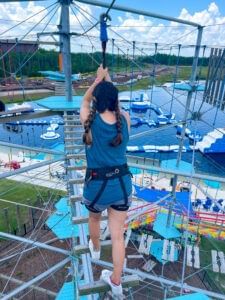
<point>100,153</point>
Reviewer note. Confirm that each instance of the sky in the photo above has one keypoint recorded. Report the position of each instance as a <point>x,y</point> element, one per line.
<point>125,27</point>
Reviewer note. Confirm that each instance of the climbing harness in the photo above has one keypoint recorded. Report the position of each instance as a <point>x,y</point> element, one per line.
<point>105,174</point>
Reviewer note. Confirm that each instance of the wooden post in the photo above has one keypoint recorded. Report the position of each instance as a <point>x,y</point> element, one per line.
<point>18,218</point>
<point>6,217</point>
<point>30,213</point>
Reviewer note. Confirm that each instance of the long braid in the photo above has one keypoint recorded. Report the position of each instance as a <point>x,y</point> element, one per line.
<point>87,139</point>
<point>118,139</point>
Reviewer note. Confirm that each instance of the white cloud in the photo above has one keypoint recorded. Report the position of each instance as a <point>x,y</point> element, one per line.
<point>131,27</point>
<point>212,35</point>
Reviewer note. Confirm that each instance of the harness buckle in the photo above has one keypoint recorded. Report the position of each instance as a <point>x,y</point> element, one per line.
<point>110,174</point>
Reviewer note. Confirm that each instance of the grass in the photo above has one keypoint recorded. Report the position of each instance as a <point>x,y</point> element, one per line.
<point>183,74</point>
<point>27,98</point>
<point>208,244</point>
<point>25,193</point>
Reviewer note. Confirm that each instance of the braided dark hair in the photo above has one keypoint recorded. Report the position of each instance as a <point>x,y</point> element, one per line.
<point>105,97</point>
<point>87,125</point>
<point>118,139</point>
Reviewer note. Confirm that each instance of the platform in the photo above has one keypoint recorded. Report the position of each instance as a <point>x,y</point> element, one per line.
<point>60,222</point>
<point>156,250</point>
<point>59,103</point>
<point>196,296</point>
<point>161,228</point>
<point>67,292</point>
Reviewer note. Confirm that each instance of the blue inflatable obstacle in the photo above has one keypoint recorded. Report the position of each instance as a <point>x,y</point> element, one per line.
<point>139,107</point>
<point>194,136</point>
<point>136,122</point>
<point>164,119</point>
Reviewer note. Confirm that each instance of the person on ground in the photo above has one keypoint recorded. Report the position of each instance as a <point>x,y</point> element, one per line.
<point>108,182</point>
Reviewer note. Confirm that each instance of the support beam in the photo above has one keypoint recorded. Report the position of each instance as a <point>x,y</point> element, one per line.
<point>33,243</point>
<point>37,288</point>
<point>28,168</point>
<point>27,116</point>
<point>179,173</point>
<point>33,149</point>
<point>138,12</point>
<point>36,279</point>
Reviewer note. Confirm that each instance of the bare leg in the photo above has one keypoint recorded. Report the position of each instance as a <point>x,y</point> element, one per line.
<point>116,227</point>
<point>94,228</point>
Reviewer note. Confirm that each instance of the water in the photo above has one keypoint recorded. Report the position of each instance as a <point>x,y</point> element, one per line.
<point>30,135</point>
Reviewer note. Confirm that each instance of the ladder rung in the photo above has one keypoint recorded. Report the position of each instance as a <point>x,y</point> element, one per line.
<point>83,220</point>
<point>74,147</point>
<point>72,168</point>
<point>76,156</point>
<point>76,181</point>
<point>74,198</point>
<point>73,132</point>
<point>82,249</point>
<point>72,121</point>
<point>73,126</point>
<point>69,117</point>
<point>100,286</point>
<point>72,139</point>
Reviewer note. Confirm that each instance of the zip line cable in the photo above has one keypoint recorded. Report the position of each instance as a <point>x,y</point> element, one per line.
<point>21,22</point>
<point>94,25</point>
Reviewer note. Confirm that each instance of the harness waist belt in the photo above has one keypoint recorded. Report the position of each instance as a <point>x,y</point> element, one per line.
<point>107,173</point>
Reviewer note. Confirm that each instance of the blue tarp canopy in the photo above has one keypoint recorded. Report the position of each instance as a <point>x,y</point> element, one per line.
<point>187,87</point>
<point>58,76</point>
<point>153,195</point>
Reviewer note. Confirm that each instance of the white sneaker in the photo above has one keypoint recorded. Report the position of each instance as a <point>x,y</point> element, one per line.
<point>117,290</point>
<point>94,254</point>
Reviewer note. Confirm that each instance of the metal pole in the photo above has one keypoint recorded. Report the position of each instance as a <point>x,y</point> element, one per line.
<point>64,30</point>
<point>138,12</point>
<point>33,243</point>
<point>187,108</point>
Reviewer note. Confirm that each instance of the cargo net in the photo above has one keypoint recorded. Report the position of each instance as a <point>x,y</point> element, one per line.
<point>215,82</point>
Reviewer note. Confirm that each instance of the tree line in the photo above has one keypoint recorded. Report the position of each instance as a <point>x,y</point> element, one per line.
<point>28,64</point>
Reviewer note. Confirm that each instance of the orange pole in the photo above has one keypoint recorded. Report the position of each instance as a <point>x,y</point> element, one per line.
<point>60,62</point>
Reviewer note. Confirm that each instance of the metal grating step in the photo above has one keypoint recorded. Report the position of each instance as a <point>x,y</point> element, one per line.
<point>100,287</point>
<point>83,220</point>
<point>82,249</point>
<point>76,181</point>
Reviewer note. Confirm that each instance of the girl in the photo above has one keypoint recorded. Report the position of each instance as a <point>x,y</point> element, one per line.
<point>108,180</point>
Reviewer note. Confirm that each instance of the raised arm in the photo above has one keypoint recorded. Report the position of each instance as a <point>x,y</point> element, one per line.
<point>86,102</point>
